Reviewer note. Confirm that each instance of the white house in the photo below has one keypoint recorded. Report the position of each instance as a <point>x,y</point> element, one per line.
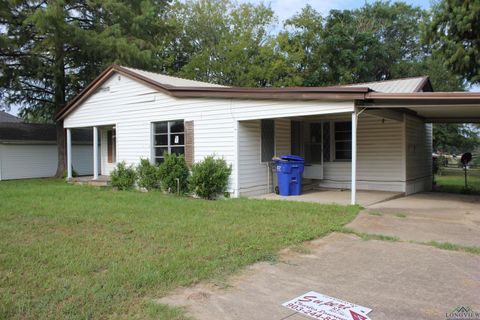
<point>30,150</point>
<point>372,136</point>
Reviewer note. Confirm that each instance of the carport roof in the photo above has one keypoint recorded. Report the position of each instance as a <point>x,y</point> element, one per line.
<point>440,107</point>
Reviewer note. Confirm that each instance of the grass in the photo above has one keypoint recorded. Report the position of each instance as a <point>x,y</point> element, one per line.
<point>367,236</point>
<point>76,252</point>
<point>400,215</point>
<point>452,180</point>
<point>375,213</point>
<point>453,246</point>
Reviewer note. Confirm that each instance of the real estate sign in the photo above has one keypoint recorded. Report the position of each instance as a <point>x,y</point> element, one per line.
<point>323,307</point>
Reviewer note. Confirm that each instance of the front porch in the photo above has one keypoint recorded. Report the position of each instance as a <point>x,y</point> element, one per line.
<point>337,196</point>
<point>104,153</point>
<point>100,181</point>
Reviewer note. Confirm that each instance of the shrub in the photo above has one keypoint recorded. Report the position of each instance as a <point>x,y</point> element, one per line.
<point>148,176</point>
<point>173,167</point>
<point>74,173</point>
<point>210,177</point>
<point>123,177</point>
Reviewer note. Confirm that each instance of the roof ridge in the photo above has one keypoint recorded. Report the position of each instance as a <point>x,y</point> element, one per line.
<point>382,81</point>
<point>170,76</point>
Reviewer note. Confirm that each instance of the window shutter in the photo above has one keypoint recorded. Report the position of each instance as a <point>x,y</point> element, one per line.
<point>189,146</point>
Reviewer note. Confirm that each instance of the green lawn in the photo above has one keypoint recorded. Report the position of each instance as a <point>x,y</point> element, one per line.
<point>453,180</point>
<point>76,252</point>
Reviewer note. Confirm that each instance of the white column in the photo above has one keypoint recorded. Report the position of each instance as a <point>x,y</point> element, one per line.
<point>354,157</point>
<point>69,154</point>
<point>236,159</point>
<point>95,153</point>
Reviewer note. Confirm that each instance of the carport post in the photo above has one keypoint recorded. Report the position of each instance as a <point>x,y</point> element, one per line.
<point>69,154</point>
<point>95,153</point>
<point>354,156</point>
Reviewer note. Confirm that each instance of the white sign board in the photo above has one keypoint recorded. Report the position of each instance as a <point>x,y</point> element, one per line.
<point>322,307</point>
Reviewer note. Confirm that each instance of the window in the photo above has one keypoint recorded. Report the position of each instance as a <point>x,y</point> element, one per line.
<point>326,141</point>
<point>268,140</point>
<point>168,136</point>
<point>112,145</point>
<point>313,149</point>
<point>343,141</point>
<point>296,138</point>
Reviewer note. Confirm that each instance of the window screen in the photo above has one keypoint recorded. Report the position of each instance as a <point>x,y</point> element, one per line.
<point>313,152</point>
<point>168,136</point>
<point>268,140</point>
<point>296,138</point>
<point>326,141</point>
<point>343,140</point>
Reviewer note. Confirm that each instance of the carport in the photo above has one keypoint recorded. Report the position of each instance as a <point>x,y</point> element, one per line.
<point>429,107</point>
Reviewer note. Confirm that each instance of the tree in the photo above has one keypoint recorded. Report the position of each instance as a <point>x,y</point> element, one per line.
<point>455,138</point>
<point>50,50</point>
<point>301,43</point>
<point>222,42</point>
<point>454,32</point>
<point>378,41</point>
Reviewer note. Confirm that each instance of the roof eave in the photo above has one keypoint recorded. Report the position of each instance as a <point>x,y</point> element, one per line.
<point>302,93</point>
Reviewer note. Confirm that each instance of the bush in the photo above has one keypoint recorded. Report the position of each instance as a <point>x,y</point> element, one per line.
<point>148,176</point>
<point>210,177</point>
<point>123,177</point>
<point>74,173</point>
<point>173,167</point>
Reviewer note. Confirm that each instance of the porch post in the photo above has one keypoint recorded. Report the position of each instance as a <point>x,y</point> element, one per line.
<point>95,153</point>
<point>69,154</point>
<point>354,156</point>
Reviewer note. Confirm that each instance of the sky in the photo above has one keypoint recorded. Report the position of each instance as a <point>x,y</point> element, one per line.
<point>284,9</point>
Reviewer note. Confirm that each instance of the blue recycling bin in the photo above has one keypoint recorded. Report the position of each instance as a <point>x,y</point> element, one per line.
<point>289,174</point>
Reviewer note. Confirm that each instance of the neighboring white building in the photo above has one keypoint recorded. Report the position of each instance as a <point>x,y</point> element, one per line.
<point>137,114</point>
<point>30,150</point>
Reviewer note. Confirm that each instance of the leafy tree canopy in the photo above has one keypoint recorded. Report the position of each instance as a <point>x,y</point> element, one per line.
<point>454,32</point>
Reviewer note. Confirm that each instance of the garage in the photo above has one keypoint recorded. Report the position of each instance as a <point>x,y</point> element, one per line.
<point>30,151</point>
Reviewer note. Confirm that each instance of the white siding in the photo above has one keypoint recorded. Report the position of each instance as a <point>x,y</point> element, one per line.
<point>282,136</point>
<point>379,163</point>
<point>255,177</point>
<point>26,161</point>
<point>418,155</point>
<point>132,107</point>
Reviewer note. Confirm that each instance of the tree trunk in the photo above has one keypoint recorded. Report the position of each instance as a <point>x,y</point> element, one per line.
<point>61,149</point>
<point>60,88</point>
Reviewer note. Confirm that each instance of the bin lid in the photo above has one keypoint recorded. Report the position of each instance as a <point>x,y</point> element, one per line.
<point>291,157</point>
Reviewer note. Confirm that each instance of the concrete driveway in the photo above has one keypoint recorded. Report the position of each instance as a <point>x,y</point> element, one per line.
<point>398,280</point>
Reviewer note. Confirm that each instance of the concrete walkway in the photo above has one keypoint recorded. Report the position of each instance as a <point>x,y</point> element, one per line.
<point>398,280</point>
<point>425,217</point>
<point>337,196</point>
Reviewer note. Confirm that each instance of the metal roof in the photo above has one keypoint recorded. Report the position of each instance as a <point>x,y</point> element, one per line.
<point>406,85</point>
<point>15,132</point>
<point>176,87</point>
<point>6,117</point>
<point>172,81</point>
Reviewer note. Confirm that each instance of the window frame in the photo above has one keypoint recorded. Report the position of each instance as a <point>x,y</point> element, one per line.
<point>169,135</point>
<point>334,138</point>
